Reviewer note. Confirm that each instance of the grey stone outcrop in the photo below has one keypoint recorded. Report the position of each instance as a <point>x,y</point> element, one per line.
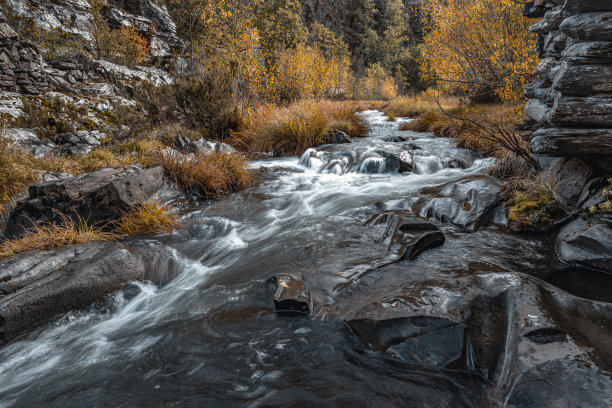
<point>571,98</point>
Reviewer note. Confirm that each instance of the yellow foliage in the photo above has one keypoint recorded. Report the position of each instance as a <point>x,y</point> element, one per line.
<point>480,48</point>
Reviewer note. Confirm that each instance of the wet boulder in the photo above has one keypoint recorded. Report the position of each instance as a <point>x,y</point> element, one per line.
<point>509,328</point>
<point>291,295</point>
<point>398,139</point>
<point>467,204</point>
<point>400,163</point>
<point>587,243</point>
<point>97,197</point>
<point>37,286</point>
<point>427,340</point>
<point>410,247</point>
<point>336,137</point>
<point>408,236</point>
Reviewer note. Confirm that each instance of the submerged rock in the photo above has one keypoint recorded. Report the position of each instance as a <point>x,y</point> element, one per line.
<point>588,244</point>
<point>96,197</point>
<point>36,286</point>
<point>290,295</point>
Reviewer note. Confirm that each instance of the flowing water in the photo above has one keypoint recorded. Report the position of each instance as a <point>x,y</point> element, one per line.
<point>206,333</point>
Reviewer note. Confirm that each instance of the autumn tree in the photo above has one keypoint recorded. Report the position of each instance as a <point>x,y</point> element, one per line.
<point>479,48</point>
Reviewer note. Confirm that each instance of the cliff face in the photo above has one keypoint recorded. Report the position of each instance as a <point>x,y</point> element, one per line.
<point>571,98</point>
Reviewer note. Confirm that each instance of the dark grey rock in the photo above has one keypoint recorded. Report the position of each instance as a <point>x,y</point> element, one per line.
<point>97,197</point>
<point>582,112</point>
<point>589,53</point>
<point>410,248</point>
<point>40,285</point>
<point>589,26</point>
<point>584,80</point>
<point>563,142</point>
<point>290,295</point>
<point>587,243</point>
<point>467,204</point>
<point>573,174</point>
<point>401,163</point>
<point>336,137</point>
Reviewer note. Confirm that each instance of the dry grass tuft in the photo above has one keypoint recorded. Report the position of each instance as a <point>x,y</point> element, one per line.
<point>208,175</point>
<point>148,218</point>
<point>50,236</point>
<point>534,202</point>
<point>293,129</point>
<point>15,173</point>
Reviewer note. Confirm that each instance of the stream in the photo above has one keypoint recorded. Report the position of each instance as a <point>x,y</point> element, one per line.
<point>203,332</point>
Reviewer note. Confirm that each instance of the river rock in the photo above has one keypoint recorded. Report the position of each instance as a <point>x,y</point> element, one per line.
<point>512,329</point>
<point>40,285</point>
<point>468,204</point>
<point>97,197</point>
<point>398,139</point>
<point>291,295</point>
<point>336,137</point>
<point>400,163</point>
<point>587,243</point>
<point>410,247</point>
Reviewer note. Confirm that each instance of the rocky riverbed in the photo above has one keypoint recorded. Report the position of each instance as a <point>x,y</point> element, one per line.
<point>401,284</point>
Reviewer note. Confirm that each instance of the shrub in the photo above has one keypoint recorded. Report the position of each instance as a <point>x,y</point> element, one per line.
<point>479,48</point>
<point>208,175</point>
<point>148,218</point>
<point>123,45</point>
<point>50,236</point>
<point>534,203</point>
<point>50,117</point>
<point>206,101</point>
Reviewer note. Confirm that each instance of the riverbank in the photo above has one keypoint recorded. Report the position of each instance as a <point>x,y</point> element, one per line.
<point>437,327</point>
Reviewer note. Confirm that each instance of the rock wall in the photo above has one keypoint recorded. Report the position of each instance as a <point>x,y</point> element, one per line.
<point>21,67</point>
<point>571,98</point>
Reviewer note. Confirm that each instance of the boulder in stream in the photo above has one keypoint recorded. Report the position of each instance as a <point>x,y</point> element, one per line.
<point>401,163</point>
<point>291,295</point>
<point>336,137</point>
<point>37,286</point>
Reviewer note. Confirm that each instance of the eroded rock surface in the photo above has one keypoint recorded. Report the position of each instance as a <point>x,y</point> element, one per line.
<point>467,204</point>
<point>37,286</point>
<point>535,344</point>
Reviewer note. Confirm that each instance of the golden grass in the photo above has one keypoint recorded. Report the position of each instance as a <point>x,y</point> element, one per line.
<point>148,218</point>
<point>293,129</point>
<point>209,175</point>
<point>16,174</point>
<point>51,236</point>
